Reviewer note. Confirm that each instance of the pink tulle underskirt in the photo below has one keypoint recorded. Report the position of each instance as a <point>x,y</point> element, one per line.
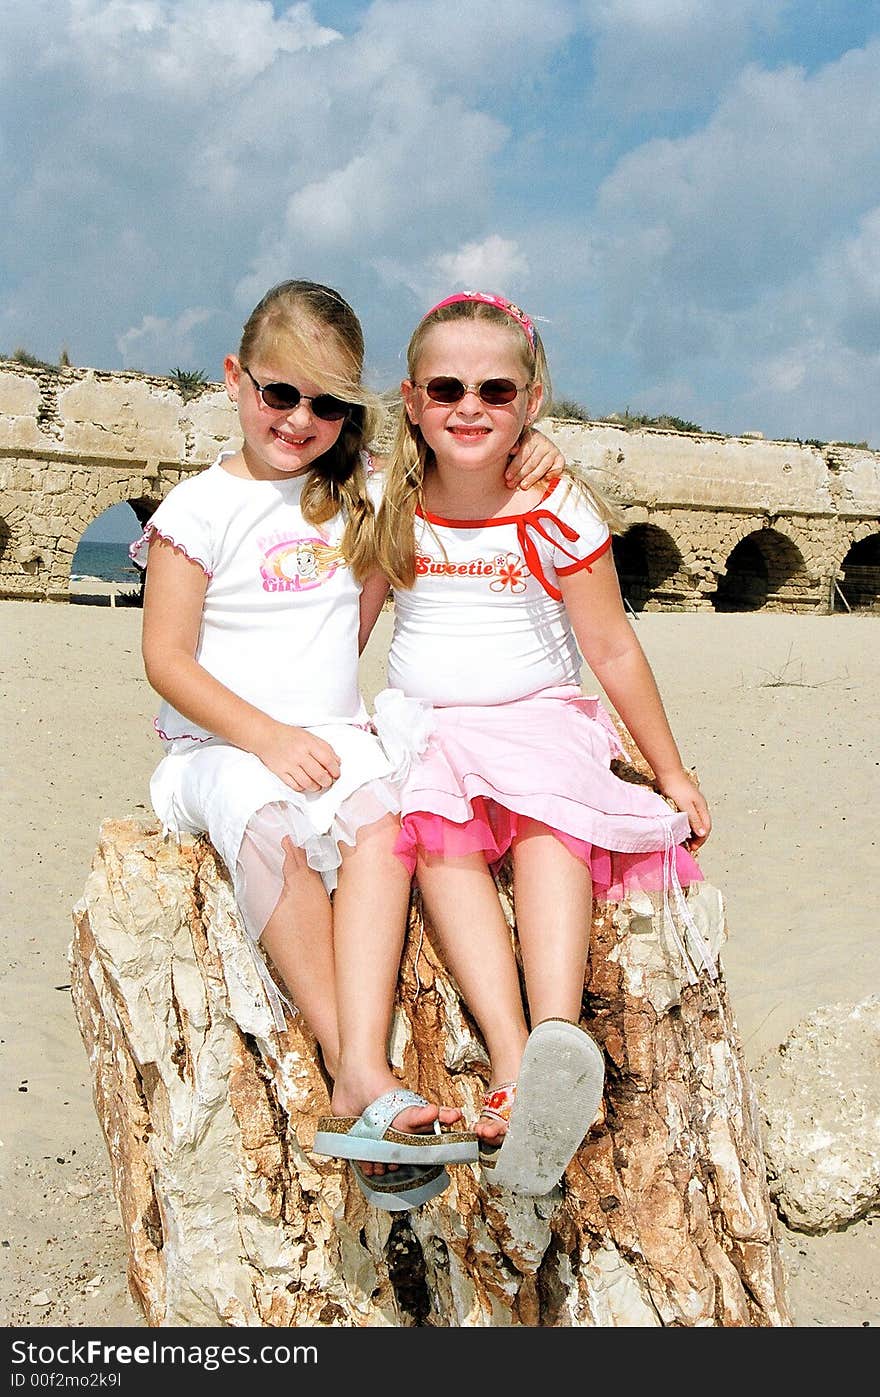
<point>493,829</point>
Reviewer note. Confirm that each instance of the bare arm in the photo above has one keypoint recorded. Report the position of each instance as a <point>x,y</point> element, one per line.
<point>173,600</point>
<point>611,649</point>
<point>533,458</point>
<point>373,594</point>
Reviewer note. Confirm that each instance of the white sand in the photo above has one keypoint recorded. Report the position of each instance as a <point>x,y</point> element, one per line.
<point>779,714</point>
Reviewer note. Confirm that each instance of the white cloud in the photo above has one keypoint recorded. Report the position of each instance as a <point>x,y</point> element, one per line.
<point>171,340</point>
<point>784,158</point>
<point>242,147</point>
<point>819,388</point>
<point>784,373</point>
<point>826,324</point>
<point>664,55</point>
<point>165,154</point>
<point>753,242</point>
<point>175,43</point>
<point>850,280</point>
<point>491,265</point>
<point>394,180</point>
<point>495,263</point>
<point>476,45</point>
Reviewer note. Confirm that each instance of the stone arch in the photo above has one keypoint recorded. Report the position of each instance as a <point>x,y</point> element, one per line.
<point>648,565</point>
<point>860,584</point>
<point>765,571</point>
<point>142,507</point>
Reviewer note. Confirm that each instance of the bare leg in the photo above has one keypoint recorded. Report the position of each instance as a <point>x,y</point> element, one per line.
<point>553,893</point>
<point>462,902</point>
<point>299,938</point>
<point>370,908</point>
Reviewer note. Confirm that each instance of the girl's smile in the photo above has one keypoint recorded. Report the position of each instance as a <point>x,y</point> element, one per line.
<point>279,443</point>
<point>465,433</point>
<point>471,433</point>
<point>288,439</point>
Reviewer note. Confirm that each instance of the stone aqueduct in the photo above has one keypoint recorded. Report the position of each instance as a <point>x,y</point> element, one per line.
<point>709,522</point>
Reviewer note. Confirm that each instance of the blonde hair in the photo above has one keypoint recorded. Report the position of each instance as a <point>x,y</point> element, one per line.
<point>313,327</point>
<point>410,456</point>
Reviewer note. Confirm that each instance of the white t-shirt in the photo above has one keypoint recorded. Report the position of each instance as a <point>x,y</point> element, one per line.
<point>484,622</point>
<point>281,613</point>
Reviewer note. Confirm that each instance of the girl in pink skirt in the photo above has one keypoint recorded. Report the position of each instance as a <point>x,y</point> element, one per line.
<point>499,599</point>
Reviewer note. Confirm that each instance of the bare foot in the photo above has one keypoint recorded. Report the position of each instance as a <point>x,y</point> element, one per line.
<point>351,1098</point>
<point>494,1119</point>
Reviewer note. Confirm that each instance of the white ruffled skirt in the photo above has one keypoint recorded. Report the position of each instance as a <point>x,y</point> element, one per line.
<point>248,812</point>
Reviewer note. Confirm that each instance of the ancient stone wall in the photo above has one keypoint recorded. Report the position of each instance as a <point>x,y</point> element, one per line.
<point>730,523</point>
<point>73,442</point>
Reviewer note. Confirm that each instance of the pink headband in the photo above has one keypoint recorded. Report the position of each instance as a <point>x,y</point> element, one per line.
<point>489,299</point>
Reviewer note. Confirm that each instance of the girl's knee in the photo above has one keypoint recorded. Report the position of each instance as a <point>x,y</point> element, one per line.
<point>374,840</point>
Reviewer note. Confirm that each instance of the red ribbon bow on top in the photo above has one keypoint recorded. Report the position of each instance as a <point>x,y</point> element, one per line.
<point>532,520</point>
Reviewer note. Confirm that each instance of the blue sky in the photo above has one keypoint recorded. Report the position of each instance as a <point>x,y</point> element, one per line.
<point>684,193</point>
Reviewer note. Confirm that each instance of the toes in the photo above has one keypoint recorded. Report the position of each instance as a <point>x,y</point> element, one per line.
<point>415,1118</point>
<point>449,1115</point>
<point>421,1118</point>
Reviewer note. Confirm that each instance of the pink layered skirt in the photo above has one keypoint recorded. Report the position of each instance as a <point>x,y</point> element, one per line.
<point>547,758</point>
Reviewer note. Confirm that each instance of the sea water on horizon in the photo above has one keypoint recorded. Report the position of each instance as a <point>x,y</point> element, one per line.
<point>108,561</point>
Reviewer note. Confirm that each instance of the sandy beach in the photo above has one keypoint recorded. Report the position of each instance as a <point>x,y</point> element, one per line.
<point>777,713</point>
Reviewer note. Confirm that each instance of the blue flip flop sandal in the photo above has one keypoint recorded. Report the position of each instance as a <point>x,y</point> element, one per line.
<point>558,1095</point>
<point>371,1136</point>
<point>401,1189</point>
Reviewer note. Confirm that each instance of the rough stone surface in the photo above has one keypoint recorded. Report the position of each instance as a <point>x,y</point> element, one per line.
<point>664,1217</point>
<point>820,1100</point>
<point>75,441</point>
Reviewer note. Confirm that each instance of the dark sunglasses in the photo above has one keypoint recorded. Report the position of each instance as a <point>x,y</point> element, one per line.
<point>283,397</point>
<point>495,392</point>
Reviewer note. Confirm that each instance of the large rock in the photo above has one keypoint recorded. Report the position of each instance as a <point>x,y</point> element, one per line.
<point>664,1217</point>
<point>820,1100</point>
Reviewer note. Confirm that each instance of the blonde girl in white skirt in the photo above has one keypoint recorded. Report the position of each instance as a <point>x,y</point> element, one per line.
<point>250,627</point>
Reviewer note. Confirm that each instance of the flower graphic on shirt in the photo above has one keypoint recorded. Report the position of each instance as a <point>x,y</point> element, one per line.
<point>299,564</point>
<point>510,571</point>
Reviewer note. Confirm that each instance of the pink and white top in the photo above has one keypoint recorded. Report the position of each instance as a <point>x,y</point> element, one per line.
<point>281,611</point>
<point>484,622</point>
